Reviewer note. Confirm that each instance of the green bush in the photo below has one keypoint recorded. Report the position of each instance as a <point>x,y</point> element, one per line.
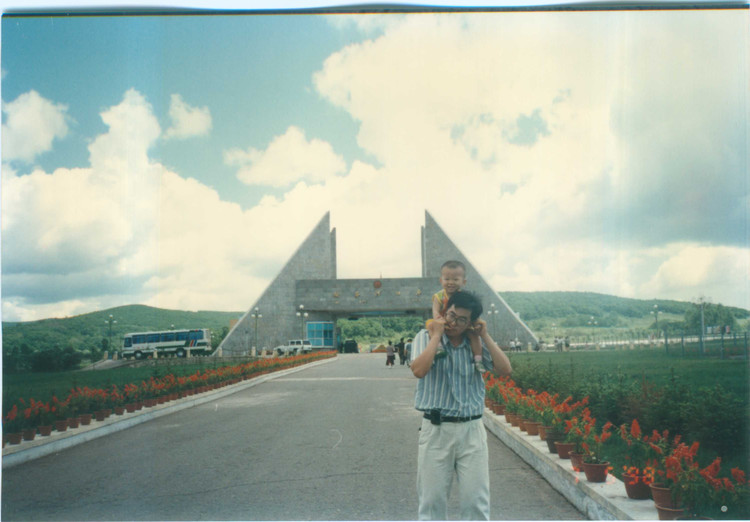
<point>663,393</point>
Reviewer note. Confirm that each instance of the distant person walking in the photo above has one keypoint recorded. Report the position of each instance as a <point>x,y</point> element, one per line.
<point>400,347</point>
<point>390,357</point>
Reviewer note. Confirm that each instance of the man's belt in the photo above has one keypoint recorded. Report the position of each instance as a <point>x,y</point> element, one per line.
<point>436,418</point>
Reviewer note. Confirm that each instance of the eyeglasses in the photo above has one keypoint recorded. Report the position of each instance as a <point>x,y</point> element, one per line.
<point>458,319</point>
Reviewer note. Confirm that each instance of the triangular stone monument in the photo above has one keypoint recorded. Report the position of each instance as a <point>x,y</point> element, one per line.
<point>305,300</point>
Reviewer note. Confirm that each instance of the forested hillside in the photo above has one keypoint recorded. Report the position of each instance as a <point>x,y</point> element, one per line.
<point>578,310</point>
<point>55,344</point>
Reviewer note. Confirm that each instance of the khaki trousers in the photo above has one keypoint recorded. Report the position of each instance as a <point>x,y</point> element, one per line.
<point>450,448</point>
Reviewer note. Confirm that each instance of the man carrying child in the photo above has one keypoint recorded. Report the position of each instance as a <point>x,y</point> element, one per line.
<point>450,392</point>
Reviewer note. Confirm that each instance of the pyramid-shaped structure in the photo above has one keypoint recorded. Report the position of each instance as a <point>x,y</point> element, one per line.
<point>306,295</point>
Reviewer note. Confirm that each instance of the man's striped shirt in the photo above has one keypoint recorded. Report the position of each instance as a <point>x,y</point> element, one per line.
<point>452,385</point>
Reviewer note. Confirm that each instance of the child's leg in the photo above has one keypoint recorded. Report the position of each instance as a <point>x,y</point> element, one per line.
<point>476,349</point>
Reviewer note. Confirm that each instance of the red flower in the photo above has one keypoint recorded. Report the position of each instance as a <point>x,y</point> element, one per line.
<point>738,475</point>
<point>635,429</point>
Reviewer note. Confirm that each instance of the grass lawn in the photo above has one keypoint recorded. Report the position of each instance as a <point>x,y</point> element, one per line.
<point>42,386</point>
<point>693,396</point>
<point>653,365</point>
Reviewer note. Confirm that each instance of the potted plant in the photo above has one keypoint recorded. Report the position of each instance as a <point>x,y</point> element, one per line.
<point>639,471</point>
<point>117,400</point>
<point>578,431</point>
<point>46,418</point>
<point>595,464</point>
<point>512,397</point>
<point>13,424</point>
<point>60,410</point>
<point>131,394</point>
<point>529,413</point>
<point>545,405</point>
<point>730,495</point>
<point>702,493</point>
<point>563,411</point>
<point>662,490</point>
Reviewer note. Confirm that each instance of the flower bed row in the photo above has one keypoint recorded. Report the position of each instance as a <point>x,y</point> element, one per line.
<point>652,465</point>
<point>28,418</point>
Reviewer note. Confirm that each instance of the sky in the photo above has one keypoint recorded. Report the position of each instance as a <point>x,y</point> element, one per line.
<point>179,161</point>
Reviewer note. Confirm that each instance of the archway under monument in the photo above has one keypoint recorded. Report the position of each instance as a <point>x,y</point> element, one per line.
<point>306,299</point>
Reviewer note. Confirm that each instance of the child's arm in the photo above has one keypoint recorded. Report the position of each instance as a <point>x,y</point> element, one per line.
<point>436,308</point>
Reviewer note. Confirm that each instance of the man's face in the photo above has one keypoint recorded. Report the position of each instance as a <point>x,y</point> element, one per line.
<point>452,279</point>
<point>457,320</point>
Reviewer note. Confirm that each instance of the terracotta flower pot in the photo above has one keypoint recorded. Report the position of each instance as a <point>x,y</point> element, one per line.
<point>635,487</point>
<point>596,472</point>
<point>666,513</point>
<point>119,410</point>
<point>532,427</point>
<point>15,437</point>
<point>100,415</point>
<point>131,407</point>
<point>543,431</point>
<point>564,449</point>
<point>85,419</point>
<point>663,496</point>
<point>576,461</point>
<point>61,425</point>
<point>29,434</point>
<point>73,422</point>
<point>45,431</point>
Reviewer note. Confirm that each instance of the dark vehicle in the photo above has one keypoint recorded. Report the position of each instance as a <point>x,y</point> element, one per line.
<point>350,346</point>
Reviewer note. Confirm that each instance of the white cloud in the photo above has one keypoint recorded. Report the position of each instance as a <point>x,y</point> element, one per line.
<point>187,121</point>
<point>699,270</point>
<point>32,124</point>
<point>508,129</point>
<point>287,159</point>
<point>12,311</point>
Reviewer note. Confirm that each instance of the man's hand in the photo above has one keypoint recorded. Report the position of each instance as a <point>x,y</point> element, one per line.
<point>436,327</point>
<point>479,328</point>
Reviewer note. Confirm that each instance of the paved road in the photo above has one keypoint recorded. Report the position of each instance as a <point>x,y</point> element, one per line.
<point>333,442</point>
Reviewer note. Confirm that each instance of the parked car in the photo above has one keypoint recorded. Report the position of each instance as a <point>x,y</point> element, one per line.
<point>350,346</point>
<point>294,347</point>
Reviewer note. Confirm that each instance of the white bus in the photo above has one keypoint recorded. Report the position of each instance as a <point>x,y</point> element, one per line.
<point>171,342</point>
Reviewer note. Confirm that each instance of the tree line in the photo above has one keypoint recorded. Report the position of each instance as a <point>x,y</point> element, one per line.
<point>64,344</point>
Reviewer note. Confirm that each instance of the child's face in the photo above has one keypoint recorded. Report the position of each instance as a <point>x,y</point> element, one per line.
<point>452,279</point>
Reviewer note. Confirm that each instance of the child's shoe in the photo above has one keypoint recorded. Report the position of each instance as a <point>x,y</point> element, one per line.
<point>440,352</point>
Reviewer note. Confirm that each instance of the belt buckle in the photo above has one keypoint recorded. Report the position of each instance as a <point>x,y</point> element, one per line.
<point>435,417</point>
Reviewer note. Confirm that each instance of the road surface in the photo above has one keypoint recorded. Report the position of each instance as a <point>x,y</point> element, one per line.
<point>333,442</point>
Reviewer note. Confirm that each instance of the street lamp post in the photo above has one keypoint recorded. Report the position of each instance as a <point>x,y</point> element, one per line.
<point>256,315</point>
<point>303,316</point>
<point>655,313</point>
<point>703,326</point>
<point>493,321</point>
<point>111,321</point>
<point>592,324</point>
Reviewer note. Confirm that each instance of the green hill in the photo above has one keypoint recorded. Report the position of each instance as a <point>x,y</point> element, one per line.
<point>88,334</point>
<point>579,313</point>
<point>548,314</point>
